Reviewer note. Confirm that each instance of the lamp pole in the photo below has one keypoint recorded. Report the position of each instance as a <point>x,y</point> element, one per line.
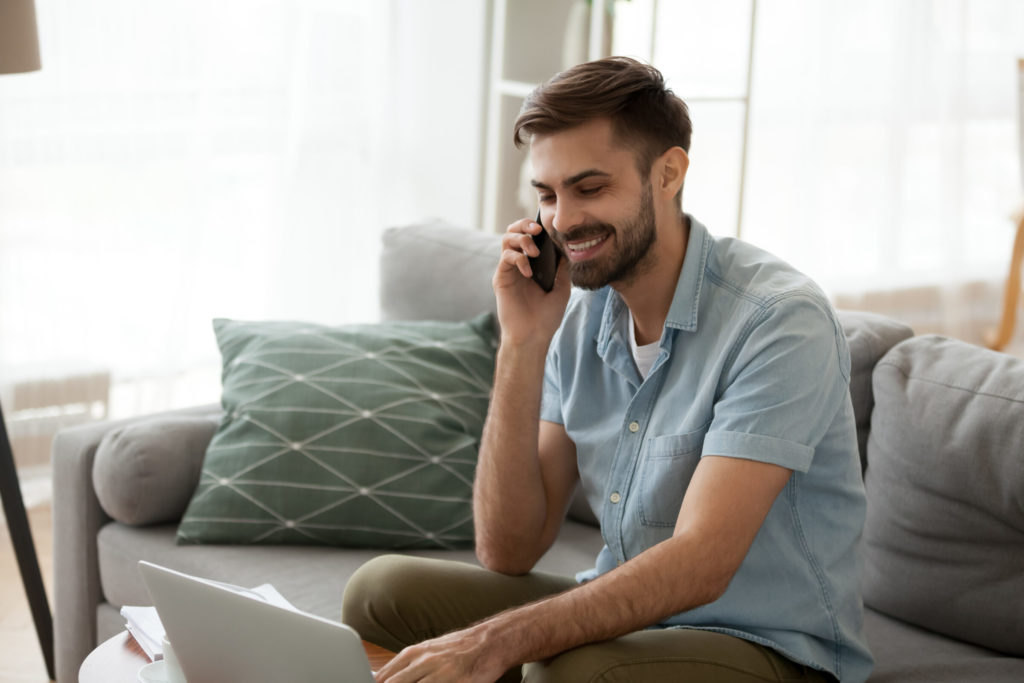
<point>19,52</point>
<point>24,548</point>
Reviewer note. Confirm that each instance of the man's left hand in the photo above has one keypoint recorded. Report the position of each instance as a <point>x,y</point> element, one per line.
<point>458,656</point>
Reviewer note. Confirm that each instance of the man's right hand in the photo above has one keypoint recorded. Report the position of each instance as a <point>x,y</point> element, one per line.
<point>526,312</point>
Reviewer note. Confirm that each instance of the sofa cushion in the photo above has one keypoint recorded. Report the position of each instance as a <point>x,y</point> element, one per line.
<point>869,336</point>
<point>437,272</point>
<point>944,537</point>
<point>145,472</point>
<point>364,435</point>
<point>905,653</point>
<point>311,578</point>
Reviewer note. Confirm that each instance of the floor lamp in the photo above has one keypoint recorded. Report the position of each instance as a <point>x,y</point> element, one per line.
<point>19,52</point>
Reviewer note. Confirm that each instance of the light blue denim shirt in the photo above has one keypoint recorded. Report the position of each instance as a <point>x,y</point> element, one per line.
<point>753,364</point>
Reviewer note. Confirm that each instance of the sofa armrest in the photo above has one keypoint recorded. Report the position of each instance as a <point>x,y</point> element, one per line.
<point>77,518</point>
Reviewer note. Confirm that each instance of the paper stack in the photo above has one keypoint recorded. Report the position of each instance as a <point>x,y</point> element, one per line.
<point>144,625</point>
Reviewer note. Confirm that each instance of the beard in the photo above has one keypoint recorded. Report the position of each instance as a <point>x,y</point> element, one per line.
<point>635,239</point>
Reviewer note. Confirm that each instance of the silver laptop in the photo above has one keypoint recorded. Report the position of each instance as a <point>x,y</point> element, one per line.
<point>220,635</point>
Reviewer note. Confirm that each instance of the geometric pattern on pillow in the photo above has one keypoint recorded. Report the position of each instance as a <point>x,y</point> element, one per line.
<point>359,436</point>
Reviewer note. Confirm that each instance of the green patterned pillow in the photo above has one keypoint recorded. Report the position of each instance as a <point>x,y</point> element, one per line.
<point>363,435</point>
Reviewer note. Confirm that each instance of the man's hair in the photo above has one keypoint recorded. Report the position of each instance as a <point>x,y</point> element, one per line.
<point>645,114</point>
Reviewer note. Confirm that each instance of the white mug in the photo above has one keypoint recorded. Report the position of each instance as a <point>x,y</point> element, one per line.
<point>172,669</point>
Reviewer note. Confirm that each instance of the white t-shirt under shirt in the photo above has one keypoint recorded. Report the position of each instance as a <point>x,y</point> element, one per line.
<point>643,355</point>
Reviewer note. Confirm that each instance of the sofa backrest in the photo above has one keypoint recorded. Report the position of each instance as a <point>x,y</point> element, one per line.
<point>437,272</point>
<point>869,336</point>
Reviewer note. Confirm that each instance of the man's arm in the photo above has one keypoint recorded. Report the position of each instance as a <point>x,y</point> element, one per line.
<point>525,473</point>
<point>724,507</point>
<point>526,469</point>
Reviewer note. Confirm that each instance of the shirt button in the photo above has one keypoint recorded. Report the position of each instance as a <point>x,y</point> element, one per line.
<point>615,497</point>
<point>634,426</point>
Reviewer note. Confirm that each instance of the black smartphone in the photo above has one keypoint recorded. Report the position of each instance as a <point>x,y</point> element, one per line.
<point>545,266</point>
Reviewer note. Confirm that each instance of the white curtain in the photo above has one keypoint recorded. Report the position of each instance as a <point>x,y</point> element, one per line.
<point>884,137</point>
<point>882,151</point>
<point>176,162</point>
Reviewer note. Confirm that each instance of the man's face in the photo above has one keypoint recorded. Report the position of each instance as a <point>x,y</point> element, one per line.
<point>599,209</point>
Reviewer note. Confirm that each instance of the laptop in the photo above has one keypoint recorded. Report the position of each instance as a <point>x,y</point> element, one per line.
<point>222,635</point>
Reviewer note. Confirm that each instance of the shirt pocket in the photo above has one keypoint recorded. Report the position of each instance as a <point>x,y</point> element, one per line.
<point>666,468</point>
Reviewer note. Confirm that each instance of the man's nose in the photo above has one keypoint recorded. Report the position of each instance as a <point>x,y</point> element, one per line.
<point>567,216</point>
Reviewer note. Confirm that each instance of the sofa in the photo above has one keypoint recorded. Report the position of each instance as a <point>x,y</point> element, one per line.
<point>940,427</point>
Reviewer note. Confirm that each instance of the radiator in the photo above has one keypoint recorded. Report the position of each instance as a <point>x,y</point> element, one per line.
<point>35,409</point>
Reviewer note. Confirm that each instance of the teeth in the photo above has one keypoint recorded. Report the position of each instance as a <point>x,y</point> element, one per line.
<point>581,246</point>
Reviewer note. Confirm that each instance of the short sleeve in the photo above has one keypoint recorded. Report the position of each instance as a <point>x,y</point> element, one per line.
<point>551,394</point>
<point>787,380</point>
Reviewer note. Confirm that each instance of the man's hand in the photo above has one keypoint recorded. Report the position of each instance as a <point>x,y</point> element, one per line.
<point>525,311</point>
<point>461,656</point>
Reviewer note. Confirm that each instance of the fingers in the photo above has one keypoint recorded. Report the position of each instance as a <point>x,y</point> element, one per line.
<point>417,663</point>
<point>390,670</point>
<point>524,225</point>
<point>517,246</point>
<point>519,236</point>
<point>516,260</point>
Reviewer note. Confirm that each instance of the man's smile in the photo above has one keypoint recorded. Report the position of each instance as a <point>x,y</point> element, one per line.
<point>580,250</point>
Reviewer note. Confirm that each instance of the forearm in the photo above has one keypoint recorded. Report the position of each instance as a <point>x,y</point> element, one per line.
<point>509,501</point>
<point>724,507</point>
<point>672,577</point>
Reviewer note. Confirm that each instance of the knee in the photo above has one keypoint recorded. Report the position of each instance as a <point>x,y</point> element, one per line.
<point>377,583</point>
<point>377,598</point>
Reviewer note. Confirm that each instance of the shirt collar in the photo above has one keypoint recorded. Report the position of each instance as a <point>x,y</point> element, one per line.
<point>682,313</point>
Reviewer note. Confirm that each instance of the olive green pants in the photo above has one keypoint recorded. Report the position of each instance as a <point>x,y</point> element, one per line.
<point>396,600</point>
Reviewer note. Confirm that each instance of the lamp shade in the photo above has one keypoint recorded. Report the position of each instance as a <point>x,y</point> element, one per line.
<point>19,40</point>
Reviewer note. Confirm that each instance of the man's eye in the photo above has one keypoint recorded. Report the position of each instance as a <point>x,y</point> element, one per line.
<point>590,190</point>
<point>545,198</point>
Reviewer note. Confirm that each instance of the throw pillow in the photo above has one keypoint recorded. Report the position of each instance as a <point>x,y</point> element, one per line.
<point>360,436</point>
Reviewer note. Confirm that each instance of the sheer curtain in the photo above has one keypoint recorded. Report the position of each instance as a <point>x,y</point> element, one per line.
<point>883,155</point>
<point>176,162</point>
<point>882,147</point>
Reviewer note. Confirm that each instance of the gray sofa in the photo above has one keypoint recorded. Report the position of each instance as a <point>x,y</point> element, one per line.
<point>941,429</point>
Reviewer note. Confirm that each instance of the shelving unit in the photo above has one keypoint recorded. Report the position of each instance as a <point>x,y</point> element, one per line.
<point>526,49</point>
<point>527,40</point>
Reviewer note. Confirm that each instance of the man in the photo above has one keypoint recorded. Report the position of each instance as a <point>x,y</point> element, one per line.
<point>698,390</point>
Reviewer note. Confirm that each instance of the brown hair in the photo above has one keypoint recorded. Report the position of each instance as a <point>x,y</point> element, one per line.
<point>644,113</point>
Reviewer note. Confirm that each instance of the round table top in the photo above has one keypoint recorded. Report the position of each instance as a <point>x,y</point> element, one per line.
<point>115,659</point>
<point>119,659</point>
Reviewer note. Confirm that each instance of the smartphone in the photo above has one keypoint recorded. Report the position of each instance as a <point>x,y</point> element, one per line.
<point>546,265</point>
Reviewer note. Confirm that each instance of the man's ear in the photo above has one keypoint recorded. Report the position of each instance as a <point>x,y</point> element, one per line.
<point>670,171</point>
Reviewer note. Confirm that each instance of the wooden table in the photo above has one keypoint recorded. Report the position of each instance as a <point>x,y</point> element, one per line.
<point>120,658</point>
